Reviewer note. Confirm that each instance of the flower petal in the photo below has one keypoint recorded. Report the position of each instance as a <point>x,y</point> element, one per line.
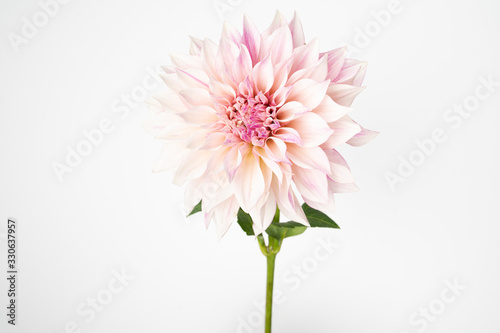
<point>305,56</point>
<point>196,96</point>
<point>288,134</point>
<point>331,111</point>
<point>297,31</point>
<point>249,182</point>
<point>200,115</point>
<point>362,137</point>
<point>262,75</point>
<point>344,94</point>
<point>309,157</point>
<point>290,111</point>
<point>343,129</point>
<point>251,39</point>
<point>311,183</point>
<point>308,92</point>
<point>278,46</point>
<point>341,172</point>
<point>313,130</point>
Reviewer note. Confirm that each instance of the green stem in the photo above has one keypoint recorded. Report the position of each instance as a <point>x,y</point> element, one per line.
<point>270,251</point>
<point>271,259</point>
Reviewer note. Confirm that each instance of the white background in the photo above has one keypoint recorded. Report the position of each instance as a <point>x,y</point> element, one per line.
<point>397,248</point>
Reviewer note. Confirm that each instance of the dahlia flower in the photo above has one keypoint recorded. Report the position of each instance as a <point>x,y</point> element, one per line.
<point>255,123</point>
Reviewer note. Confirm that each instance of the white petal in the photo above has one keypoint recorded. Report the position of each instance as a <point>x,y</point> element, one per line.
<point>192,77</point>
<point>224,215</point>
<point>192,166</point>
<point>200,115</point>
<point>196,96</point>
<point>196,45</point>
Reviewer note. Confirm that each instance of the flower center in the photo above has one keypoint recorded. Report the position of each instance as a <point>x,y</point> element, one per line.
<point>252,119</point>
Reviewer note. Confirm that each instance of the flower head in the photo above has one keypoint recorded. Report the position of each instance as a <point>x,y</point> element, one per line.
<point>255,122</point>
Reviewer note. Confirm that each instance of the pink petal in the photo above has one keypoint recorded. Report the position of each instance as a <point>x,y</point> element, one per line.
<point>309,157</point>
<point>331,111</point>
<point>340,170</point>
<point>362,137</point>
<point>232,161</point>
<point>278,21</point>
<point>248,182</point>
<point>308,92</point>
<point>192,166</point>
<point>208,56</point>
<point>317,72</point>
<point>344,94</point>
<point>352,73</point>
<point>193,77</point>
<point>251,39</point>
<point>297,31</point>
<point>195,47</point>
<point>290,111</point>
<point>230,32</point>
<point>311,183</point>
<point>262,75</point>
<point>213,141</point>
<point>196,96</point>
<point>313,130</point>
<point>336,59</point>
<point>288,134</point>
<point>305,56</point>
<point>224,215</point>
<point>242,67</point>
<point>343,129</point>
<point>342,188</point>
<point>276,150</point>
<point>200,115</point>
<point>278,46</point>
<point>263,216</point>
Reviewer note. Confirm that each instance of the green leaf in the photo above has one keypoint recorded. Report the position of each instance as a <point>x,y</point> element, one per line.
<point>245,222</point>
<point>196,209</point>
<point>318,219</point>
<point>284,230</point>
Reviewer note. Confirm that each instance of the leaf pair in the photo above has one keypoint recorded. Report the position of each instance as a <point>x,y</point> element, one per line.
<point>279,230</point>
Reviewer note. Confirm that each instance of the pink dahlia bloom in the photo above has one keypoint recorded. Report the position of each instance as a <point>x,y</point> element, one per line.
<point>255,122</point>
